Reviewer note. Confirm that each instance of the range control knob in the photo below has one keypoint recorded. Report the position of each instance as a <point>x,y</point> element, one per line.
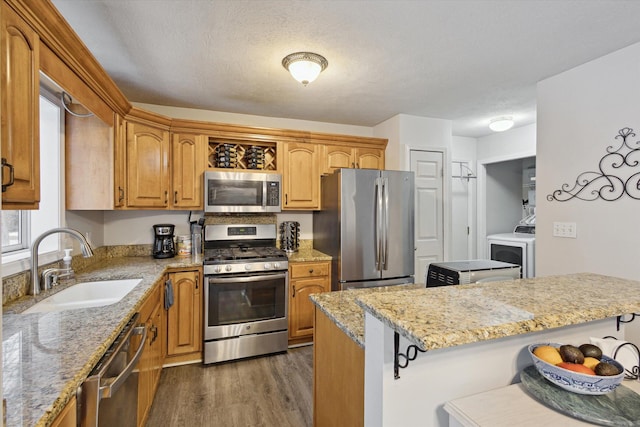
<point>217,269</point>
<point>276,265</point>
<point>228,267</point>
<point>248,267</point>
<point>267,266</point>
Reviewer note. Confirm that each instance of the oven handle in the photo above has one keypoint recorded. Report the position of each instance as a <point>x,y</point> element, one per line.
<point>245,279</point>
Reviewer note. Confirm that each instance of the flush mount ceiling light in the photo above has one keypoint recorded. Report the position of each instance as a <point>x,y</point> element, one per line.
<point>500,124</point>
<point>305,67</point>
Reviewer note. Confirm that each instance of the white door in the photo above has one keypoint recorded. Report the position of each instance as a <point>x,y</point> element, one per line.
<point>429,205</point>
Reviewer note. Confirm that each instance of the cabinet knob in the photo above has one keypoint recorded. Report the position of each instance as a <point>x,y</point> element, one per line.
<point>311,271</point>
<point>166,197</point>
<point>120,193</point>
<point>175,197</point>
<point>294,292</point>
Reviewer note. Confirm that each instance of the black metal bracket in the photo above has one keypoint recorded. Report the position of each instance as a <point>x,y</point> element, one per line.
<point>411,354</point>
<point>634,373</point>
<point>621,320</point>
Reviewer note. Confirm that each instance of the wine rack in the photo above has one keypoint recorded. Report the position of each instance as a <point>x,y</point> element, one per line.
<point>243,152</point>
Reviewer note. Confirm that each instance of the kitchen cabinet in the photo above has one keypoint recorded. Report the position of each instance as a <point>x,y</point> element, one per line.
<point>152,359</point>
<point>305,278</point>
<point>67,417</point>
<point>184,317</point>
<point>338,370</point>
<point>147,166</point>
<point>89,164</point>
<point>119,162</point>
<point>188,162</point>
<point>301,176</point>
<point>338,156</point>
<point>19,99</point>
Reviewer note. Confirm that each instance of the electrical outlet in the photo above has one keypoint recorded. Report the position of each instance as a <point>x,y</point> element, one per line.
<point>565,229</point>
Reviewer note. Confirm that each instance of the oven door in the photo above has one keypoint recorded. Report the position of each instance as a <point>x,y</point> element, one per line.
<point>245,304</point>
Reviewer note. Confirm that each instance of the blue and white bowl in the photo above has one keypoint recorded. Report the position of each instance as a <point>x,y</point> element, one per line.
<point>575,381</point>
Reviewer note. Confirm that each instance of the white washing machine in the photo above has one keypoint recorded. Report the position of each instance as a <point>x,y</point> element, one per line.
<point>515,248</point>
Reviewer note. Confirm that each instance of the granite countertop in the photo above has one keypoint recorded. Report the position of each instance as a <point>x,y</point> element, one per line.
<point>307,254</point>
<point>447,316</point>
<point>46,356</point>
<point>342,309</point>
<point>454,315</point>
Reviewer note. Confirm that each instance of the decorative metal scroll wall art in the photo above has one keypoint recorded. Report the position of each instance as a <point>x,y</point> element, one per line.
<point>618,174</point>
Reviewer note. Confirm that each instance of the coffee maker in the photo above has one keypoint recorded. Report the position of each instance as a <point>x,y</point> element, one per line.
<point>163,246</point>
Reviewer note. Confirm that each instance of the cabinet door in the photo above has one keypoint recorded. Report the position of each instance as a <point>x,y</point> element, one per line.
<point>337,157</point>
<point>184,318</point>
<point>301,307</point>
<point>369,158</point>
<point>147,166</point>
<point>301,176</point>
<point>156,358</point>
<point>68,416</point>
<point>20,111</point>
<point>188,160</point>
<point>120,162</point>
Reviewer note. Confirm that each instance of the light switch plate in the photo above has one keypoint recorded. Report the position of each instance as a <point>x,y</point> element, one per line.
<point>565,229</point>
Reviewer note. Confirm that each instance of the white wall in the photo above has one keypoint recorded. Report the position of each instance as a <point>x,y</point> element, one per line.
<point>503,196</point>
<point>579,114</point>
<point>515,143</point>
<point>405,132</point>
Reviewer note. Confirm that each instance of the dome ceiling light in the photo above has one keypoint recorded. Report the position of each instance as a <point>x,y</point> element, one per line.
<point>500,124</point>
<point>305,67</point>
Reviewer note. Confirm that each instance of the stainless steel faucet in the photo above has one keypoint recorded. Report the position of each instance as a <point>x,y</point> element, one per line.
<point>85,247</point>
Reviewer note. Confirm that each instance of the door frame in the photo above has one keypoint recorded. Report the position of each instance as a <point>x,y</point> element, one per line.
<point>446,190</point>
<point>481,173</point>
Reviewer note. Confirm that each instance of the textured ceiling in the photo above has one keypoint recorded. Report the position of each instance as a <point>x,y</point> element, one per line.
<point>466,61</point>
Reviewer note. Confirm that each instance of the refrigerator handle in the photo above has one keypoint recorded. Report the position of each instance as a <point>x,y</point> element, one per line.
<point>385,239</point>
<point>378,223</point>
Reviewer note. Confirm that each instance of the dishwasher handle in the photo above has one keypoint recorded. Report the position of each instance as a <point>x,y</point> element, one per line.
<point>111,385</point>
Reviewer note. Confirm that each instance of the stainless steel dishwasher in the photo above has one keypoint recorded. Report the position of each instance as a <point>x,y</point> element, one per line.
<point>109,395</point>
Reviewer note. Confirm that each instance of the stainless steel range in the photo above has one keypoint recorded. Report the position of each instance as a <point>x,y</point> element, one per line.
<point>246,282</point>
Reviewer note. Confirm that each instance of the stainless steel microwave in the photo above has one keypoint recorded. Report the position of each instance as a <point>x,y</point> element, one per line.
<point>242,192</point>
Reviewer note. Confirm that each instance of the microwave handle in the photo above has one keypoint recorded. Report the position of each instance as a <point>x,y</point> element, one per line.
<point>264,194</point>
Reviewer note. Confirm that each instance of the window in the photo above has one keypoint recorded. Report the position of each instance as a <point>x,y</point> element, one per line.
<point>19,228</point>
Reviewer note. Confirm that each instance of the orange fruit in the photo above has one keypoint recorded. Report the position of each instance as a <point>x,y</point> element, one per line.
<point>548,354</point>
<point>590,362</point>
<point>576,367</point>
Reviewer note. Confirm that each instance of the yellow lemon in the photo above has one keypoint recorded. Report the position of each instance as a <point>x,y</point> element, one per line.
<point>548,354</point>
<point>590,362</point>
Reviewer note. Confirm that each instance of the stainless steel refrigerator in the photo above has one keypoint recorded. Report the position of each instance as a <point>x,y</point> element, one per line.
<point>367,225</point>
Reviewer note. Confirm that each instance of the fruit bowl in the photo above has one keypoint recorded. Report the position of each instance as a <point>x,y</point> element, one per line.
<point>575,381</point>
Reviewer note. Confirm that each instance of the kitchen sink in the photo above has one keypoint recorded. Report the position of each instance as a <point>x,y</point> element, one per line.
<point>86,294</point>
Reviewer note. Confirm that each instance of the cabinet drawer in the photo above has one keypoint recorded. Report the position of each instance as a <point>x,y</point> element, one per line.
<point>299,270</point>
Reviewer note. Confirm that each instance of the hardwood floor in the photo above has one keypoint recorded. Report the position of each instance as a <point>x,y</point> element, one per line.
<point>265,391</point>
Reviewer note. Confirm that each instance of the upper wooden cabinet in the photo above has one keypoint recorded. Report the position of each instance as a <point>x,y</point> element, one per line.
<point>19,87</point>
<point>301,176</point>
<point>147,166</point>
<point>188,162</point>
<point>338,156</point>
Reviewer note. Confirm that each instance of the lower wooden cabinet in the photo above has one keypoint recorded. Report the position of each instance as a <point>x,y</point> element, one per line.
<point>338,371</point>
<point>184,317</point>
<point>68,416</point>
<point>152,359</point>
<point>305,278</point>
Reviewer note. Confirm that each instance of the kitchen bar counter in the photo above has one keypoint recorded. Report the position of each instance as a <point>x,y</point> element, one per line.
<point>306,255</point>
<point>453,315</point>
<point>46,356</point>
<point>342,309</point>
<point>475,335</point>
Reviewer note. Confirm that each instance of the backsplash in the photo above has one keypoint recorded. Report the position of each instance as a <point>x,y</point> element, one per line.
<point>16,286</point>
